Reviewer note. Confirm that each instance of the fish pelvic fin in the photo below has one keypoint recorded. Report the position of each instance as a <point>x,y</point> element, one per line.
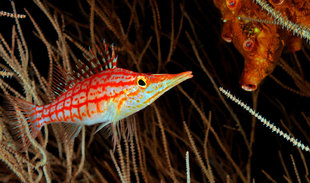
<point>110,128</point>
<point>22,116</point>
<point>71,131</point>
<point>124,128</point>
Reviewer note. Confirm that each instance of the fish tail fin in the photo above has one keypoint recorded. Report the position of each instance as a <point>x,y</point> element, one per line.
<point>17,111</point>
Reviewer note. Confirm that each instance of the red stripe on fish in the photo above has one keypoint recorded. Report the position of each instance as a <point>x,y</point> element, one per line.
<point>96,97</point>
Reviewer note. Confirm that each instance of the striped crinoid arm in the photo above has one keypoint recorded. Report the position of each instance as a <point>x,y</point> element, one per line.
<point>266,122</point>
<point>6,74</point>
<point>11,15</point>
<point>301,31</point>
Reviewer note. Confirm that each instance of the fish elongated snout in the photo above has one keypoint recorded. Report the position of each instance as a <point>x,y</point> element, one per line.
<point>175,79</point>
<point>186,75</point>
<point>172,79</point>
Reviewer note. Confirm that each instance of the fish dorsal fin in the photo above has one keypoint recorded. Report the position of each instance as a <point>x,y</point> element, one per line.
<point>97,62</point>
<point>61,82</point>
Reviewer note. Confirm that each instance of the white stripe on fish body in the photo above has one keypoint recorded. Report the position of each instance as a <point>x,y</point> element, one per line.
<point>111,91</point>
<point>107,114</point>
<point>54,117</point>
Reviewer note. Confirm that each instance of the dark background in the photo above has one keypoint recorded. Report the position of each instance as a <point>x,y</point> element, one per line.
<point>274,102</point>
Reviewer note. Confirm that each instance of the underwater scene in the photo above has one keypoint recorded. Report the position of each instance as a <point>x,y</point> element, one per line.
<point>154,91</point>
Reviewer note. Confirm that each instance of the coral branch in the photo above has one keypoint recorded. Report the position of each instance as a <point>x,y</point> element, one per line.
<point>267,123</point>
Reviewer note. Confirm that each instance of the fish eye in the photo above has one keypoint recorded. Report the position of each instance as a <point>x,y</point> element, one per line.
<point>141,81</point>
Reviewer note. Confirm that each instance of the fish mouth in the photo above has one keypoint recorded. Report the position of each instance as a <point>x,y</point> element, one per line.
<point>168,81</point>
<point>182,76</point>
<point>177,79</point>
<point>174,79</point>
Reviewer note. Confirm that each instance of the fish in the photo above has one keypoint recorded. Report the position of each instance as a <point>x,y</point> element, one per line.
<point>258,37</point>
<point>98,92</point>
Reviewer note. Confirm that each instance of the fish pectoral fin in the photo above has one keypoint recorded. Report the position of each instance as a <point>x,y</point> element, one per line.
<point>71,131</point>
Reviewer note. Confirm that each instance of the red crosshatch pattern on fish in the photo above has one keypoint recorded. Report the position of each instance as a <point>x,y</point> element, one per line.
<point>98,92</point>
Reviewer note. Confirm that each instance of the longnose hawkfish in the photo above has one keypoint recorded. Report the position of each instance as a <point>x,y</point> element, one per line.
<point>99,92</point>
<point>260,36</point>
